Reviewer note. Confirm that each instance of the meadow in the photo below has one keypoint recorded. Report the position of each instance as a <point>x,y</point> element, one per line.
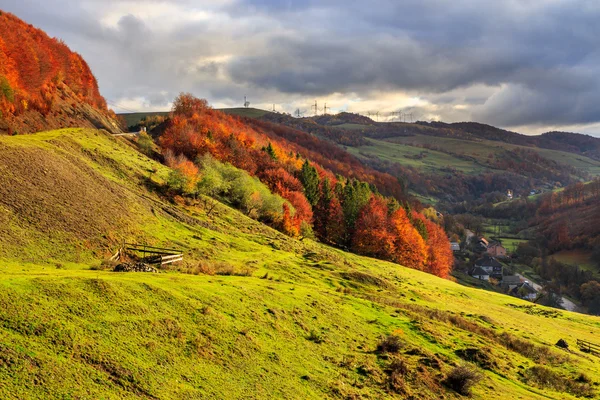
<point>250,312</point>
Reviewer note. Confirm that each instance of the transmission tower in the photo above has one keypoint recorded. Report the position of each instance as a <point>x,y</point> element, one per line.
<point>299,113</point>
<point>246,102</point>
<point>325,108</point>
<point>316,108</point>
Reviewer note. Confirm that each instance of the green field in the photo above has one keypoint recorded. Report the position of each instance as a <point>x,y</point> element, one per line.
<point>580,258</point>
<point>132,119</point>
<point>480,150</point>
<point>257,315</point>
<point>424,159</point>
<point>245,112</point>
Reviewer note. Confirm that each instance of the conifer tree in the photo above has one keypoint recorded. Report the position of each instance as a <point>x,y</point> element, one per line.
<point>310,180</point>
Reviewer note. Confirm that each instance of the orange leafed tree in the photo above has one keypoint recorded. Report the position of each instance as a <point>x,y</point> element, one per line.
<point>409,247</point>
<point>440,258</point>
<point>33,67</point>
<point>371,236</point>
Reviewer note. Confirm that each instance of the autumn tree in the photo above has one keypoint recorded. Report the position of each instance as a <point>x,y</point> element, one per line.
<point>409,247</point>
<point>371,236</point>
<point>440,257</point>
<point>590,295</point>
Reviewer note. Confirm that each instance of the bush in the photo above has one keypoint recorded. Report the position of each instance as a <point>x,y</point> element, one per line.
<point>390,344</point>
<point>206,267</point>
<point>545,377</point>
<point>315,337</point>
<point>461,379</point>
<point>397,372</point>
<point>231,184</point>
<point>145,143</point>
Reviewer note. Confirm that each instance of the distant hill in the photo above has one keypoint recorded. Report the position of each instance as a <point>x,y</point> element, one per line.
<point>44,85</point>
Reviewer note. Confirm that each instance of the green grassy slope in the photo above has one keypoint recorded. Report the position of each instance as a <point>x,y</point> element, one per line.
<point>245,112</point>
<point>425,160</point>
<point>132,119</point>
<point>480,150</point>
<point>300,321</point>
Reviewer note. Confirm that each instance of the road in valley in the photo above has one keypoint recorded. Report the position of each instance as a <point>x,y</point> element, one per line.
<point>567,304</point>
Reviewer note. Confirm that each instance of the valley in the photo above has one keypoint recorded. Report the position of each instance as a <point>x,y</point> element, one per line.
<point>233,252</point>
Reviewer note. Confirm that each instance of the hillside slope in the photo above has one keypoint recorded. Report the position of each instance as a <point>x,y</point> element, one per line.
<point>281,319</point>
<point>44,85</point>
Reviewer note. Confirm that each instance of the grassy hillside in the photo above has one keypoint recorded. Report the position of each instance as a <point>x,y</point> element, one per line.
<point>426,160</point>
<point>133,119</point>
<point>245,112</point>
<point>480,150</point>
<point>258,315</point>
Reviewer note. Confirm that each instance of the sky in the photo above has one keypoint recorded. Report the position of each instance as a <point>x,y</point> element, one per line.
<point>525,65</point>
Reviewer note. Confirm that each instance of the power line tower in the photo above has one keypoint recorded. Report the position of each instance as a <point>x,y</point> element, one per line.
<point>299,113</point>
<point>377,115</point>
<point>273,107</point>
<point>315,106</point>
<point>325,108</point>
<point>397,115</point>
<point>246,102</point>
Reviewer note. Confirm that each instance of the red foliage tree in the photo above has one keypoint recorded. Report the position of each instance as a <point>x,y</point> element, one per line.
<point>371,235</point>
<point>409,247</point>
<point>440,258</point>
<point>335,228</point>
<point>33,67</point>
<point>303,209</point>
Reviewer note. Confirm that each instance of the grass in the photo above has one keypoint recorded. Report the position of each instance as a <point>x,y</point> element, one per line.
<point>245,112</point>
<point>135,118</point>
<point>425,160</point>
<point>304,323</point>
<point>580,258</point>
<point>480,150</point>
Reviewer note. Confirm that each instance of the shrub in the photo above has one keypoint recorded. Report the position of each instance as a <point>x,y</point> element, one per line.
<point>545,377</point>
<point>145,143</point>
<point>315,336</point>
<point>461,379</point>
<point>390,344</point>
<point>397,372</point>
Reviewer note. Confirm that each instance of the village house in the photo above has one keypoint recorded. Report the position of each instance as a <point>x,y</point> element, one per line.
<point>509,282</point>
<point>491,266</point>
<point>483,243</point>
<point>496,250</point>
<point>455,246</point>
<point>479,273</point>
<point>524,291</point>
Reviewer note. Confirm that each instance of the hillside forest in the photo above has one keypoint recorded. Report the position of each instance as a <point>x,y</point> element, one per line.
<point>330,201</point>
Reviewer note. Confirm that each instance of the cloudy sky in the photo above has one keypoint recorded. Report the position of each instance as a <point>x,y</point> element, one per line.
<point>527,65</point>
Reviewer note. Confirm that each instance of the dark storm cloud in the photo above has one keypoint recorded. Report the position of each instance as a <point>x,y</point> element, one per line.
<point>504,62</point>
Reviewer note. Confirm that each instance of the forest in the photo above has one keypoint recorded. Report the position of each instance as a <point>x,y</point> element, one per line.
<point>320,190</point>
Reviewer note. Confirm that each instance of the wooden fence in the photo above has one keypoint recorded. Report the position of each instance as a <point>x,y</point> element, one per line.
<point>589,347</point>
<point>151,254</point>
